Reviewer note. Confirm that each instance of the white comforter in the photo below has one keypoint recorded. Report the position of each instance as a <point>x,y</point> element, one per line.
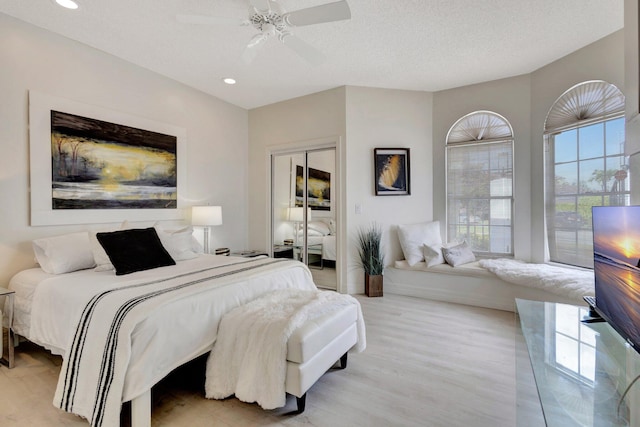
<point>569,282</point>
<point>249,358</point>
<point>156,319</point>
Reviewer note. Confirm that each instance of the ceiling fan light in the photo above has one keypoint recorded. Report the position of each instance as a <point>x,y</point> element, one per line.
<point>229,80</point>
<point>69,4</point>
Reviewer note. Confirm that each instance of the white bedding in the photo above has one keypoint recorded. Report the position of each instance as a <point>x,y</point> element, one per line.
<point>24,284</point>
<point>167,333</point>
<point>328,245</point>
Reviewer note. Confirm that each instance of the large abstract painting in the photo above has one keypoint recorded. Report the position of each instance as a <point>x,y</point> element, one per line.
<point>318,189</point>
<point>102,165</point>
<point>93,165</point>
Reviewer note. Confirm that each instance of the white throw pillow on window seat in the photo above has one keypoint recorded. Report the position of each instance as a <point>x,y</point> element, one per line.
<point>433,253</point>
<point>458,255</point>
<point>413,237</point>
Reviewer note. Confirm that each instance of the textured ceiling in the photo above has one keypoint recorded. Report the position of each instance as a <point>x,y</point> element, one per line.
<point>402,44</point>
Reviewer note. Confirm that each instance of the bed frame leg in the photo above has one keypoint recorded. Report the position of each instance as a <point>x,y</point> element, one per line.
<point>141,410</point>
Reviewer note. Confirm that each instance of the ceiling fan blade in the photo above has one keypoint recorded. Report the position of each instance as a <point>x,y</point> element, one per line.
<point>249,55</point>
<point>260,5</point>
<point>208,20</point>
<point>329,12</point>
<point>304,49</point>
<point>251,50</point>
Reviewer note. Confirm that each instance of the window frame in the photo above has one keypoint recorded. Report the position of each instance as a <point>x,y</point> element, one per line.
<point>584,104</point>
<point>550,188</point>
<point>452,199</point>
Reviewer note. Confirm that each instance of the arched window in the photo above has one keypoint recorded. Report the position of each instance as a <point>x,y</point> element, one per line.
<point>480,183</point>
<point>585,166</point>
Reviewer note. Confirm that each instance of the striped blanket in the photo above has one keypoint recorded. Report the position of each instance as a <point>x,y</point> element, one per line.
<point>156,323</point>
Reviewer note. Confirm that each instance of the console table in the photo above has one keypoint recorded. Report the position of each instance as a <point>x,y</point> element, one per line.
<point>580,369</point>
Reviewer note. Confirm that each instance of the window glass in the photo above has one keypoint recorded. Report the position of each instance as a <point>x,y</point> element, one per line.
<point>586,167</point>
<point>480,184</point>
<point>590,141</point>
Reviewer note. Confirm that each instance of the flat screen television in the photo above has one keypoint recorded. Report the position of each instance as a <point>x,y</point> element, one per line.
<point>616,265</point>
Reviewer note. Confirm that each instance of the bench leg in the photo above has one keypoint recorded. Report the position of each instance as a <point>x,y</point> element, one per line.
<point>343,361</point>
<point>301,401</point>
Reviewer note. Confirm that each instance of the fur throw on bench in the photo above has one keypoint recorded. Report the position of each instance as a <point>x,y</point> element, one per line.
<point>569,282</point>
<point>249,357</point>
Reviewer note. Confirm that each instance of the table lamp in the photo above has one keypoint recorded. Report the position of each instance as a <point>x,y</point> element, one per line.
<point>206,216</point>
<point>296,215</point>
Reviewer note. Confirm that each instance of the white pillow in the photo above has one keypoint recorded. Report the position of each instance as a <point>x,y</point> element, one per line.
<point>458,255</point>
<point>433,253</point>
<point>320,227</point>
<point>311,232</point>
<point>332,226</point>
<point>414,236</point>
<point>102,261</point>
<point>64,254</point>
<point>179,243</point>
<point>100,257</point>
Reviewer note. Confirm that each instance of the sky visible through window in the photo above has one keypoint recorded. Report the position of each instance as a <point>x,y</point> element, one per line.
<point>585,145</point>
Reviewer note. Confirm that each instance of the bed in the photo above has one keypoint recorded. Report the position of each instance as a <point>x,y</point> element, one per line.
<point>328,246</point>
<point>164,317</point>
<point>322,232</point>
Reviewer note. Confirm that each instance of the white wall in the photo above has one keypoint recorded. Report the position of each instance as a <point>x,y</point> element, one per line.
<point>296,122</point>
<point>366,118</point>
<point>511,99</point>
<point>386,118</point>
<point>631,76</point>
<point>524,101</point>
<point>602,60</point>
<point>35,59</point>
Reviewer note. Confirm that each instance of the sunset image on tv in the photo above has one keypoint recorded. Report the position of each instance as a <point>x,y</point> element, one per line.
<point>616,256</point>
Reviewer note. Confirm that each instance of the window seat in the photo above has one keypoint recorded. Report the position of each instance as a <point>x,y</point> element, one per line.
<point>472,284</point>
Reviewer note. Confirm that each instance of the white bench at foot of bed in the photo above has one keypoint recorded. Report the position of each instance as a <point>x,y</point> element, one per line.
<point>468,284</point>
<point>312,349</point>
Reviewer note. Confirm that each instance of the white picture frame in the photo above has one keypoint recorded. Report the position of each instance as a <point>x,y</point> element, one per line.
<point>42,213</point>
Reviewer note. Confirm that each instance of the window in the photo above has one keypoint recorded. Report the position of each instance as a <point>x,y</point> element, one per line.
<point>586,166</point>
<point>480,183</point>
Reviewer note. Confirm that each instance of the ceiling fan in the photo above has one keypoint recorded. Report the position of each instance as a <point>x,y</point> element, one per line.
<point>271,21</point>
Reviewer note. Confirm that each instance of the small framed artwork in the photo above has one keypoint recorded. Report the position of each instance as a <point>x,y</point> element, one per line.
<point>392,174</point>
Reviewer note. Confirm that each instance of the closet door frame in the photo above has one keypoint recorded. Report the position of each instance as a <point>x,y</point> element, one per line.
<point>337,143</point>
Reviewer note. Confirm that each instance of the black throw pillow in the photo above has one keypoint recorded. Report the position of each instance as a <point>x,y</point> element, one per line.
<point>134,250</point>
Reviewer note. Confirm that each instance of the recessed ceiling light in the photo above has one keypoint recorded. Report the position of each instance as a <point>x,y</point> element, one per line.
<point>69,4</point>
<point>229,80</point>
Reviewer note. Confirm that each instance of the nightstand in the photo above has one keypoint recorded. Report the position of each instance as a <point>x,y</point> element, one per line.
<point>282,251</point>
<point>8,325</point>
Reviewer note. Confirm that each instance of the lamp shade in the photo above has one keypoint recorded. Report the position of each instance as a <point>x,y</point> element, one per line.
<point>297,214</point>
<point>206,215</point>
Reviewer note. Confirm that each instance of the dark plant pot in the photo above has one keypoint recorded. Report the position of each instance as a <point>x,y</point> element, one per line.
<point>373,285</point>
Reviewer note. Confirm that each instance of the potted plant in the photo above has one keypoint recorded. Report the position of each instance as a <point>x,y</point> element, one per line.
<point>371,259</point>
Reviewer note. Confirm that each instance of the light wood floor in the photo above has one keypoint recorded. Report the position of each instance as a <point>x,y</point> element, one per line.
<point>426,364</point>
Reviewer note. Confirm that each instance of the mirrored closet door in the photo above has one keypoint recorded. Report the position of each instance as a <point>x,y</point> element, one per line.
<point>304,211</point>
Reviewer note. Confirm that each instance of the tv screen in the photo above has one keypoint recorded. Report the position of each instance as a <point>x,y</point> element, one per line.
<point>616,265</point>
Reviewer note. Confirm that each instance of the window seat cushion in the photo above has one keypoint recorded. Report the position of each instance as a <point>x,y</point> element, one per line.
<point>567,281</point>
<point>473,284</point>
<point>470,269</point>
